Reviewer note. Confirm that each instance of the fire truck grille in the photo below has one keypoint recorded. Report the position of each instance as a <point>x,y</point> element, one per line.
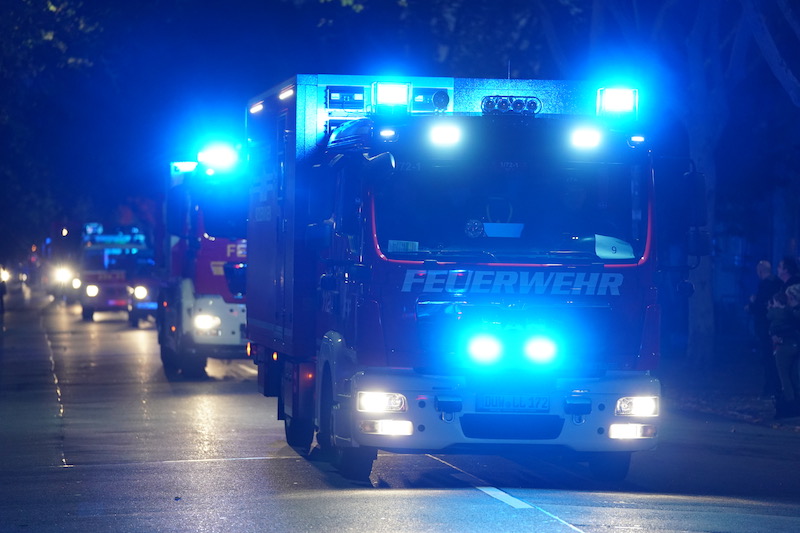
<point>511,427</point>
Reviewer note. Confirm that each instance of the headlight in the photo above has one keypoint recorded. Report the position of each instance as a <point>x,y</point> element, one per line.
<point>63,275</point>
<point>394,428</point>
<point>381,402</point>
<point>92,291</point>
<point>207,322</point>
<point>5,275</point>
<point>76,283</point>
<point>637,406</point>
<point>631,431</point>
<point>140,292</point>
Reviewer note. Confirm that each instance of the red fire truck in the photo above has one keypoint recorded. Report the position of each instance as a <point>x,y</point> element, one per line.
<point>202,309</point>
<point>454,265</point>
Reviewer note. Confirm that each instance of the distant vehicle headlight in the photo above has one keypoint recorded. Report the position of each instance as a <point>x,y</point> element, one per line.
<point>140,292</point>
<point>92,291</point>
<point>5,275</point>
<point>63,274</point>
<point>76,283</point>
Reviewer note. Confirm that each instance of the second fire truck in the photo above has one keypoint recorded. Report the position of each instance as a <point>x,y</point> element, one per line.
<point>202,309</point>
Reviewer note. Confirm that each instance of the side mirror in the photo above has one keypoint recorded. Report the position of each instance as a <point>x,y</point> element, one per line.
<point>318,236</point>
<point>236,277</point>
<point>379,167</point>
<point>359,273</point>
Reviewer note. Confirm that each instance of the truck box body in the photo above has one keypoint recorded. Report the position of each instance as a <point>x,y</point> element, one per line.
<point>479,254</point>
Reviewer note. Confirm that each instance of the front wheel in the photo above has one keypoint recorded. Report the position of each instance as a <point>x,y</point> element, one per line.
<point>352,463</point>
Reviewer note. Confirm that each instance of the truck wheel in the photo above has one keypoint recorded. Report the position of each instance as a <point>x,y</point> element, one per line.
<point>611,466</point>
<point>169,359</point>
<point>133,319</point>
<point>352,463</point>
<point>87,313</point>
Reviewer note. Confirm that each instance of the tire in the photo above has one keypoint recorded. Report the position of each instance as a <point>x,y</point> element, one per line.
<point>611,467</point>
<point>352,463</point>
<point>87,313</point>
<point>133,320</point>
<point>299,432</point>
<point>193,366</point>
<point>169,359</point>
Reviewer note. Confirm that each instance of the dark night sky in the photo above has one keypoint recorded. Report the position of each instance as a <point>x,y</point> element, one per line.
<point>167,82</point>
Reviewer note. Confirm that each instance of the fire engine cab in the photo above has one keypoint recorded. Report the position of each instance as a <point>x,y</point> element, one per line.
<point>114,265</point>
<point>454,265</point>
<point>202,306</point>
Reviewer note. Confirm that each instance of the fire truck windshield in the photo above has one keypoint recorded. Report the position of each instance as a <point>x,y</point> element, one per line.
<point>136,262</point>
<point>223,208</point>
<point>513,211</point>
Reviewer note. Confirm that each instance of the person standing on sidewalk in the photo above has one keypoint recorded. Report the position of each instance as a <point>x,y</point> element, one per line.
<point>768,285</point>
<point>789,271</point>
<point>784,316</point>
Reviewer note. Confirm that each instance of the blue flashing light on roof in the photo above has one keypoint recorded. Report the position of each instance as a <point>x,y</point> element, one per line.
<point>218,157</point>
<point>617,101</point>
<point>184,166</point>
<point>391,94</point>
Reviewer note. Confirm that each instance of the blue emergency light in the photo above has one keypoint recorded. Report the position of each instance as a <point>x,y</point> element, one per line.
<point>391,94</point>
<point>218,157</point>
<point>488,349</point>
<point>617,101</point>
<point>586,138</point>
<point>445,135</point>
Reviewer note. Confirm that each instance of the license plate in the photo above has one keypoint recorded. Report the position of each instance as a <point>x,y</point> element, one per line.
<point>513,403</point>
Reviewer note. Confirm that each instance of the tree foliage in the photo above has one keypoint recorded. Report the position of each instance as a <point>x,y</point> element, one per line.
<point>40,41</point>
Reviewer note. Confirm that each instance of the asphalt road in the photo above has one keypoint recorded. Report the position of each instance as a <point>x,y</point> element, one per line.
<point>95,437</point>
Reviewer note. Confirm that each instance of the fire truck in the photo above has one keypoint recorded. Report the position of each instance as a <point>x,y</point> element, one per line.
<point>202,309</point>
<point>114,265</point>
<point>454,265</point>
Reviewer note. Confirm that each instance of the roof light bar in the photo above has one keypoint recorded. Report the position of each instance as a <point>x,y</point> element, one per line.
<point>518,105</point>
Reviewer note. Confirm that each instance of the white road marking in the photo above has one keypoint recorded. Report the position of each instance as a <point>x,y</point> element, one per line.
<point>504,497</point>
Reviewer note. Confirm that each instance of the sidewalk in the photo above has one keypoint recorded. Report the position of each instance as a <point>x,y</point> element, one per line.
<point>731,390</point>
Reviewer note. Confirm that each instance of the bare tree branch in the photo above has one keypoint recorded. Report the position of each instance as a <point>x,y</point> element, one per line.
<point>772,55</point>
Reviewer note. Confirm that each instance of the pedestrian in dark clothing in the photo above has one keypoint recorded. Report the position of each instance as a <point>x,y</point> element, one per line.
<point>789,271</point>
<point>784,316</point>
<point>768,285</point>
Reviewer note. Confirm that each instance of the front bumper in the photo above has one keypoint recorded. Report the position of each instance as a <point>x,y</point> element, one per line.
<point>443,412</point>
